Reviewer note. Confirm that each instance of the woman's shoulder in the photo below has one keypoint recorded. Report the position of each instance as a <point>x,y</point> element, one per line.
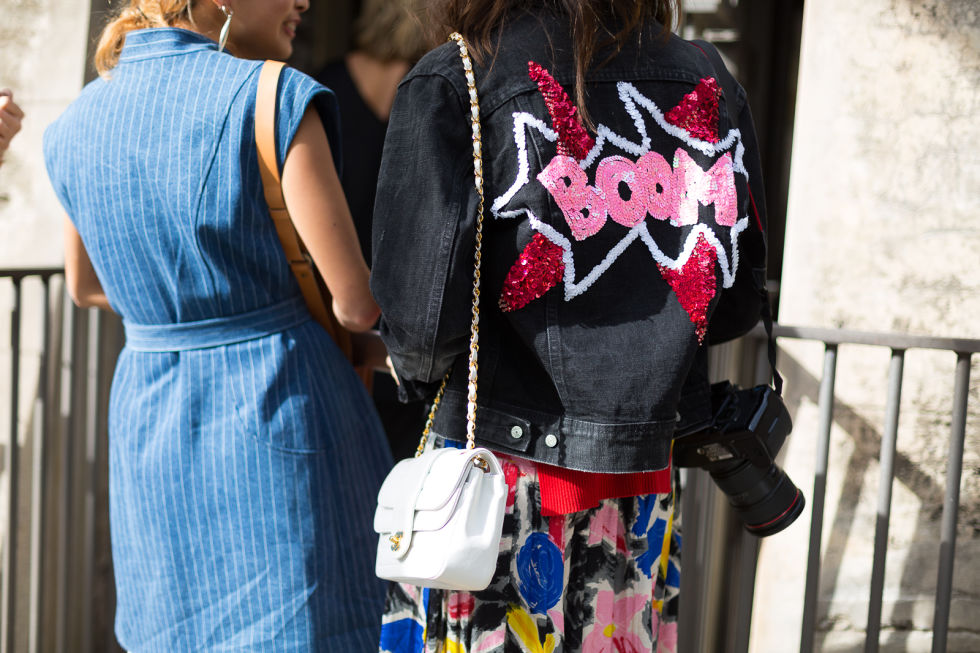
<point>75,114</point>
<point>442,61</point>
<point>294,81</point>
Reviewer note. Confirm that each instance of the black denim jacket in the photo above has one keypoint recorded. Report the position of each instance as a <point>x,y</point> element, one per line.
<point>589,375</point>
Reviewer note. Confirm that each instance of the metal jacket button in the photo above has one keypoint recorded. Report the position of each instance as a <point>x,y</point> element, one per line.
<point>516,432</point>
<point>551,440</point>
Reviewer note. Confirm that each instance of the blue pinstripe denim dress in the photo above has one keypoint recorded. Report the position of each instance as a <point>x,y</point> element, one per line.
<point>245,455</point>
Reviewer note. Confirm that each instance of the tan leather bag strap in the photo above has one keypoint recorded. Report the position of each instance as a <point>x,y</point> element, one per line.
<point>292,245</point>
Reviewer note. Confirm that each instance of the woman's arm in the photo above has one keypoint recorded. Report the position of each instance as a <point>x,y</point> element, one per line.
<point>83,285</point>
<point>319,211</point>
<point>423,235</point>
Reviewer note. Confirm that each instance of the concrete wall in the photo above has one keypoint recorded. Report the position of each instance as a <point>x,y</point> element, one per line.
<point>883,234</point>
<point>42,57</point>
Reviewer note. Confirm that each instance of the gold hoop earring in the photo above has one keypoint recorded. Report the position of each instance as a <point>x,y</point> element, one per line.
<point>223,36</point>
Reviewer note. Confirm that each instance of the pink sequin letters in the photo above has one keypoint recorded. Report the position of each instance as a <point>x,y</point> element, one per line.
<point>575,196</point>
<point>654,187</point>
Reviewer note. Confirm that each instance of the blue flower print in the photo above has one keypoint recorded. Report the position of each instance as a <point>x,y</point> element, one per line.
<point>655,545</point>
<point>402,636</point>
<point>540,573</point>
<point>646,504</point>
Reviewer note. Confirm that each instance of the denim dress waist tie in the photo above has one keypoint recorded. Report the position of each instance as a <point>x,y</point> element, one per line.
<point>218,331</point>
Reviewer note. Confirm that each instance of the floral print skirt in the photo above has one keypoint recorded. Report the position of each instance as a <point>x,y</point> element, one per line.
<point>600,580</point>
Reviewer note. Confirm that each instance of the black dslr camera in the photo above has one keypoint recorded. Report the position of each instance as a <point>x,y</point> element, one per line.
<point>738,448</point>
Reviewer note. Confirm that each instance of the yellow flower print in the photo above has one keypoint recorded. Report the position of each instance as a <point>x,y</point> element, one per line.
<point>452,646</point>
<point>523,625</point>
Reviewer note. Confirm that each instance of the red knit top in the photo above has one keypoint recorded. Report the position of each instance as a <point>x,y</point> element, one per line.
<point>565,491</point>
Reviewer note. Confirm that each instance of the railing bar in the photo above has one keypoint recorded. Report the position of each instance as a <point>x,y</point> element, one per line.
<point>20,273</point>
<point>889,443</point>
<point>744,595</point>
<point>12,472</point>
<point>954,470</point>
<point>890,340</point>
<point>826,405</point>
<point>39,479</point>
<point>77,590</point>
<point>91,439</point>
<point>71,352</point>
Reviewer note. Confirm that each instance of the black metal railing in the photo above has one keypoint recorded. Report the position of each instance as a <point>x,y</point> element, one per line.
<point>720,558</point>
<point>898,345</point>
<point>55,579</point>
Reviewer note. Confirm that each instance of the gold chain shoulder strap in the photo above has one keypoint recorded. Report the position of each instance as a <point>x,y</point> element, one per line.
<point>475,323</point>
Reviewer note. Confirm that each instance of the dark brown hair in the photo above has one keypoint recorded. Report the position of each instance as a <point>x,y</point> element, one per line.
<point>596,24</point>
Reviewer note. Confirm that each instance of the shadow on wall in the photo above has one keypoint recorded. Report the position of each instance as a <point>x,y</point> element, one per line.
<point>920,564</point>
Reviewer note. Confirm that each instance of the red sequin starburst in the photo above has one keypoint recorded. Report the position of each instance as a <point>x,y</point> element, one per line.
<point>698,111</point>
<point>537,270</point>
<point>694,284</point>
<point>573,140</point>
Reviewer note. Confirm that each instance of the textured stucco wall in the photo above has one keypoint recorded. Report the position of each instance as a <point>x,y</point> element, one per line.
<point>42,58</point>
<point>883,235</point>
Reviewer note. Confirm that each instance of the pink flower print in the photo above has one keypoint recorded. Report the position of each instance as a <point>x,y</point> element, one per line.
<point>614,622</point>
<point>557,620</point>
<point>667,639</point>
<point>606,524</point>
<point>460,605</point>
<point>492,641</point>
<point>511,473</point>
<point>556,531</point>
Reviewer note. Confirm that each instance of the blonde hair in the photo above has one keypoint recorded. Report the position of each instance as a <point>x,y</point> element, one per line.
<point>391,29</point>
<point>138,14</point>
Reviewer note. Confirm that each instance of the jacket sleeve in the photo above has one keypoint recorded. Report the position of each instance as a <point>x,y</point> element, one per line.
<point>423,233</point>
<point>740,306</point>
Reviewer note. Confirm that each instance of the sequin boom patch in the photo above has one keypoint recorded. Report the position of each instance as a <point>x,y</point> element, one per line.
<point>626,190</point>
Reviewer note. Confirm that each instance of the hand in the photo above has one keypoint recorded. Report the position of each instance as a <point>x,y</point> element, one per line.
<point>10,117</point>
<point>391,369</point>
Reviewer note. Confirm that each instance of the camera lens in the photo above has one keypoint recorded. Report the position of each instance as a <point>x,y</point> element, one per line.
<point>765,499</point>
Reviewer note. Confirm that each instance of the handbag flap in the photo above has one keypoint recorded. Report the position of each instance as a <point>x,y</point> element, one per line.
<point>424,489</point>
<point>401,487</point>
<point>446,477</point>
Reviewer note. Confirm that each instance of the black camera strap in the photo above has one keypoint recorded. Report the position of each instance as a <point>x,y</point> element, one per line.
<point>777,380</point>
<point>728,88</point>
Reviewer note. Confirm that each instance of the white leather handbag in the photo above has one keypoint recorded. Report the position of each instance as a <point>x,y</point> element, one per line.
<point>440,517</point>
<point>440,514</point>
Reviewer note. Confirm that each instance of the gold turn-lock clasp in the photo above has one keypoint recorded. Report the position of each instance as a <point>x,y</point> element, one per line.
<point>481,463</point>
<point>396,540</point>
